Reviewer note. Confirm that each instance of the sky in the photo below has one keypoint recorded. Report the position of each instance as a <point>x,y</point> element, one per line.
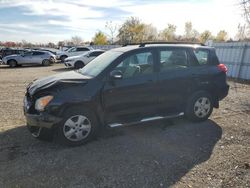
<point>42,21</point>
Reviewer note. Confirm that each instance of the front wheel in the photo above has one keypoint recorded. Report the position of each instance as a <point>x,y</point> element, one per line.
<point>46,62</point>
<point>79,65</point>
<point>199,106</point>
<point>78,127</point>
<point>12,63</point>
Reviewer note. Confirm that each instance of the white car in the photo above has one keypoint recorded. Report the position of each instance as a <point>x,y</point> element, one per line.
<point>74,51</point>
<point>80,61</point>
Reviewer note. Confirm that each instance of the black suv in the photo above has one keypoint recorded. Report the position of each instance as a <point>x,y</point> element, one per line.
<point>125,86</point>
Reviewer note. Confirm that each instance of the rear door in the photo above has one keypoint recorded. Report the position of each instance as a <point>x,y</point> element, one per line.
<point>81,50</point>
<point>134,96</point>
<point>173,79</point>
<point>37,57</point>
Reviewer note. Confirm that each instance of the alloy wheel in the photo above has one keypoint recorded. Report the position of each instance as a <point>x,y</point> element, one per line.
<point>202,107</point>
<point>77,128</point>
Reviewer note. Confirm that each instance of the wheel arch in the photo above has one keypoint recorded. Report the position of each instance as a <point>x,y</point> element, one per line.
<point>95,109</point>
<point>8,61</point>
<point>77,62</point>
<point>210,89</point>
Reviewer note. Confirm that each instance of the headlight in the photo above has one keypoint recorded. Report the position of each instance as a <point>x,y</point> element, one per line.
<point>68,60</point>
<point>42,102</point>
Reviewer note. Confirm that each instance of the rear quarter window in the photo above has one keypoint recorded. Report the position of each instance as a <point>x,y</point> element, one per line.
<point>202,56</point>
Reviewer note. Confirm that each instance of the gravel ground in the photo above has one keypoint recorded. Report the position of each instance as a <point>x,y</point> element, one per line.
<point>176,153</point>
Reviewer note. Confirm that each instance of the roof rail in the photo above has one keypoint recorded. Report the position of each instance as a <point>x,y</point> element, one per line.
<point>143,44</point>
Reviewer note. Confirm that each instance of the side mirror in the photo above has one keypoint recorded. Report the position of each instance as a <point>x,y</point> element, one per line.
<point>116,75</point>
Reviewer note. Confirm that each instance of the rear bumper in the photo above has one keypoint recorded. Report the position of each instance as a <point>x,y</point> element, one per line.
<point>42,120</point>
<point>223,92</point>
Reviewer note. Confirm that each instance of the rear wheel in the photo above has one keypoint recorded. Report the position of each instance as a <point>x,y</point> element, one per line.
<point>78,127</point>
<point>79,65</point>
<point>46,62</point>
<point>12,63</point>
<point>199,106</point>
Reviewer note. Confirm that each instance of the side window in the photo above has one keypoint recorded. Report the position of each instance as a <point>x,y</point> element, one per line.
<point>28,53</point>
<point>82,49</point>
<point>95,54</point>
<point>173,58</point>
<point>72,50</point>
<point>136,64</point>
<point>202,56</point>
<point>38,53</point>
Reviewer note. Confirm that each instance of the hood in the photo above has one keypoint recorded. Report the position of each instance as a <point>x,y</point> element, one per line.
<point>69,78</point>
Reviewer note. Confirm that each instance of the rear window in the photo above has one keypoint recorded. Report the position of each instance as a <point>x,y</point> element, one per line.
<point>202,56</point>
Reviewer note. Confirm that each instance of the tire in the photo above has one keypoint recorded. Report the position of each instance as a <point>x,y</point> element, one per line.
<point>12,63</point>
<point>63,57</point>
<point>77,128</point>
<point>79,65</point>
<point>199,106</point>
<point>40,133</point>
<point>46,62</point>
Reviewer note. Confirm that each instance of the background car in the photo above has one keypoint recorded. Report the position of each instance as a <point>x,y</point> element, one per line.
<point>82,60</point>
<point>30,57</point>
<point>74,51</point>
<point>10,51</point>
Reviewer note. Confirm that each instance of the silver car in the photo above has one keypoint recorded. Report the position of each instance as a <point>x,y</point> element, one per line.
<point>29,58</point>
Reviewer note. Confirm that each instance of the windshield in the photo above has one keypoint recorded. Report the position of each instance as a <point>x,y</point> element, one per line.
<point>96,66</point>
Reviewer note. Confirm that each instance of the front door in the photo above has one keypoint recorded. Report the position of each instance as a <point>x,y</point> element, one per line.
<point>133,97</point>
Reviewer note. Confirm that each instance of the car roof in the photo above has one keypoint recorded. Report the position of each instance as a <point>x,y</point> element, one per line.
<point>133,47</point>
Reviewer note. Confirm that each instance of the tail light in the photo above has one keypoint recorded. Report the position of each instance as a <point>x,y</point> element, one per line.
<point>222,68</point>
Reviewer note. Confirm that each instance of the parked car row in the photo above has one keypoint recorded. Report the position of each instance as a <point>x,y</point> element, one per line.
<point>77,57</point>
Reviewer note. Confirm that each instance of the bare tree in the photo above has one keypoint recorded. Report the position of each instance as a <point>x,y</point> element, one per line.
<point>190,33</point>
<point>243,33</point>
<point>149,33</point>
<point>168,33</point>
<point>112,30</point>
<point>245,4</point>
<point>76,40</point>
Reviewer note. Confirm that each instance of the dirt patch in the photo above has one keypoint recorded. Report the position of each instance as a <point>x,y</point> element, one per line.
<point>177,153</point>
